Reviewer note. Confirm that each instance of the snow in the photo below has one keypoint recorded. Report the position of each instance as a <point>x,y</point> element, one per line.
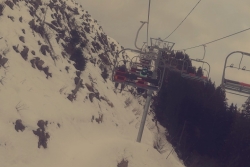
<point>75,140</point>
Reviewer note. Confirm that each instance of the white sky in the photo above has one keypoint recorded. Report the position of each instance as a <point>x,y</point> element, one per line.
<point>209,21</point>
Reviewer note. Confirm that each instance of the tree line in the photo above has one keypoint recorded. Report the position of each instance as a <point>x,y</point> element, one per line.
<point>204,130</point>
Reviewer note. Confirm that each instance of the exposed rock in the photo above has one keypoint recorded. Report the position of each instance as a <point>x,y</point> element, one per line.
<point>46,71</point>
<point>44,48</point>
<point>71,97</point>
<point>100,119</point>
<point>2,6</point>
<point>3,60</point>
<point>24,53</point>
<point>123,163</point>
<point>76,79</point>
<point>89,87</point>
<point>33,63</point>
<point>39,64</point>
<point>67,69</point>
<point>43,137</point>
<point>41,124</point>
<point>64,54</point>
<point>10,4</point>
<point>33,52</point>
<point>21,19</point>
<point>78,73</point>
<point>19,125</point>
<point>91,96</point>
<point>21,38</point>
<point>16,48</point>
<point>40,132</point>
<point>11,18</point>
<point>54,22</point>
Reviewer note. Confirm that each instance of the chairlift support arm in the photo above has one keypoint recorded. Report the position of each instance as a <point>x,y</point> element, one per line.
<point>137,34</point>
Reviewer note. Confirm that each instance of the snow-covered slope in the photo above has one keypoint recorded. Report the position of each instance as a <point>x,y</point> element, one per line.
<point>98,128</point>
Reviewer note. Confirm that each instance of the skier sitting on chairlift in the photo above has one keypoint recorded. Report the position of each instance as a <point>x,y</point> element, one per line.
<point>144,72</point>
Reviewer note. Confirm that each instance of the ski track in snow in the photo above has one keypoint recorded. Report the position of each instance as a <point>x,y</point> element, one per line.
<point>26,94</point>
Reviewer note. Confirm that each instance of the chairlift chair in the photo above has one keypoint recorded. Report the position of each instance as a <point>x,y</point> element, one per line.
<point>161,44</point>
<point>142,62</point>
<point>193,76</point>
<point>174,62</point>
<point>232,85</point>
<point>131,76</point>
<point>145,62</point>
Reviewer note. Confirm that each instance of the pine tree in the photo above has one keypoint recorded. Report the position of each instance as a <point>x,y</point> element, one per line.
<point>246,108</point>
<point>79,59</point>
<point>199,72</point>
<point>75,38</point>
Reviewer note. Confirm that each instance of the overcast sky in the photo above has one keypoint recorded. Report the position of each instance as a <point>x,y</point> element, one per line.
<point>210,20</point>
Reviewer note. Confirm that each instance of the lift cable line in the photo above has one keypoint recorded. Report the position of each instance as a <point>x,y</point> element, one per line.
<point>148,19</point>
<point>216,39</point>
<point>182,20</point>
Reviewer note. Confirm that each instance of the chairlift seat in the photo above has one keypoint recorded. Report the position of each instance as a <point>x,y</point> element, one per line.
<point>145,64</point>
<point>237,86</point>
<point>193,76</point>
<point>133,70</point>
<point>120,73</point>
<point>141,83</point>
<point>119,79</point>
<point>141,64</point>
<point>145,60</point>
<point>120,76</point>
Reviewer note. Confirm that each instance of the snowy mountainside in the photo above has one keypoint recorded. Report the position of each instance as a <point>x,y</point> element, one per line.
<point>48,117</point>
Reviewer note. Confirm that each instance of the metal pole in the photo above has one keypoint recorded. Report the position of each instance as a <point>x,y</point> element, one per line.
<point>149,96</point>
<point>144,116</point>
<point>143,22</point>
<point>148,19</point>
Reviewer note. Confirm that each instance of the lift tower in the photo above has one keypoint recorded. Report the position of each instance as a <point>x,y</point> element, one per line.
<point>146,74</point>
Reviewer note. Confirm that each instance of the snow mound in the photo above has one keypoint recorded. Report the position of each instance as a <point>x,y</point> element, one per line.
<point>95,128</point>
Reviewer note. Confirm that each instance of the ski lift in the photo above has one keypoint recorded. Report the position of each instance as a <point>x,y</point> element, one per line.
<point>160,44</point>
<point>235,86</point>
<point>141,66</point>
<point>191,75</point>
<point>142,74</point>
<point>143,60</point>
<point>139,74</point>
